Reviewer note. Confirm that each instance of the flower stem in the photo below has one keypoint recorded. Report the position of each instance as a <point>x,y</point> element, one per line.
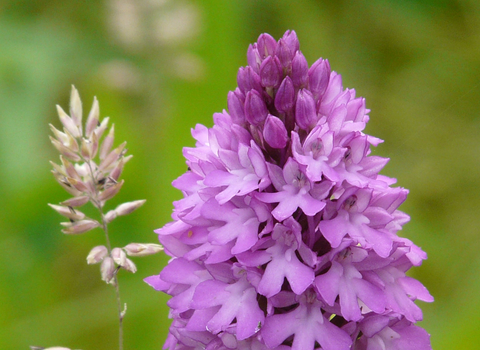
<point>97,203</point>
<point>115,283</point>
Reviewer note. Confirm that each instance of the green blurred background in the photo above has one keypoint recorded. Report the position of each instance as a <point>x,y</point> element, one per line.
<point>158,67</point>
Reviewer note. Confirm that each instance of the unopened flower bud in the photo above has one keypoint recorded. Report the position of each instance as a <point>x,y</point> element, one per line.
<point>242,79</point>
<point>274,132</point>
<point>78,227</point>
<point>285,56</point>
<point>318,77</point>
<point>236,107</point>
<point>299,70</point>
<point>248,80</point>
<point>271,72</point>
<point>119,256</point>
<point>108,269</point>
<point>266,45</point>
<point>253,58</point>
<point>110,192</point>
<point>141,249</point>
<point>129,266</point>
<point>255,109</point>
<point>291,39</point>
<point>285,98</point>
<point>305,111</point>
<point>97,254</point>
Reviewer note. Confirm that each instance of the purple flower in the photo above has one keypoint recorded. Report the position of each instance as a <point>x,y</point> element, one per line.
<point>307,324</point>
<point>286,237</point>
<point>283,262</point>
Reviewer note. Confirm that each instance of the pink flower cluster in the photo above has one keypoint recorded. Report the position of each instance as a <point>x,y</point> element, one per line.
<point>286,237</point>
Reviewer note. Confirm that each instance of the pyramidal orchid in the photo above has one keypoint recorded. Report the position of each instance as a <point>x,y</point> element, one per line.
<point>286,237</point>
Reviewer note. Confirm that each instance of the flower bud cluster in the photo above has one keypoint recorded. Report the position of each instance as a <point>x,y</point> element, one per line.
<point>286,237</point>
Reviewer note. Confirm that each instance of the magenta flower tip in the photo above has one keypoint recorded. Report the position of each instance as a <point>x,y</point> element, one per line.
<point>286,237</point>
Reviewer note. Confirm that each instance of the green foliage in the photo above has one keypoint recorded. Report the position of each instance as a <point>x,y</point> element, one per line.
<point>160,67</point>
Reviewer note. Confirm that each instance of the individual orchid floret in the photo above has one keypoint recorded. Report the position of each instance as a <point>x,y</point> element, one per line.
<point>344,281</point>
<point>232,301</point>
<point>318,153</point>
<point>244,172</point>
<point>284,263</point>
<point>240,224</point>
<point>293,191</point>
<point>354,217</point>
<point>382,332</point>
<point>313,327</point>
<point>286,237</point>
